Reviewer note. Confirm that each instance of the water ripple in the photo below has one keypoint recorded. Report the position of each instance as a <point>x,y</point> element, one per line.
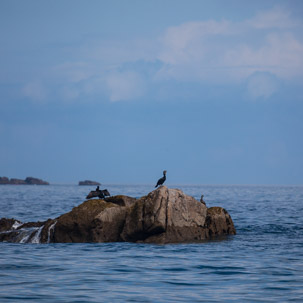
<point>262,263</point>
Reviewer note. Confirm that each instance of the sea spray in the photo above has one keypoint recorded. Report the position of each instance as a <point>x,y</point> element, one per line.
<point>36,237</point>
<point>24,235</point>
<point>16,224</point>
<point>50,229</point>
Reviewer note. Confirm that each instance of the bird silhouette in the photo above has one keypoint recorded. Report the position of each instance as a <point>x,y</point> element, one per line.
<point>162,180</point>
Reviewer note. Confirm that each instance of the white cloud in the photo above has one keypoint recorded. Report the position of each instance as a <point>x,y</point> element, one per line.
<point>280,54</point>
<point>277,17</point>
<point>125,86</point>
<point>229,52</point>
<point>207,52</point>
<point>261,85</point>
<point>186,43</point>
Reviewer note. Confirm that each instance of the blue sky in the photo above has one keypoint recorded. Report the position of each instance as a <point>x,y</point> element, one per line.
<point>118,91</point>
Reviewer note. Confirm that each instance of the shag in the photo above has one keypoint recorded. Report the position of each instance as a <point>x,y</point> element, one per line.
<point>162,180</point>
<point>201,200</point>
<point>98,193</point>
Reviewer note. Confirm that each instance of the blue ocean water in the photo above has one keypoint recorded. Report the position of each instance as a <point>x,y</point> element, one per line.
<point>262,263</point>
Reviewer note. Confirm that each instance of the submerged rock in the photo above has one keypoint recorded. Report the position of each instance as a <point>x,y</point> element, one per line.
<point>163,216</point>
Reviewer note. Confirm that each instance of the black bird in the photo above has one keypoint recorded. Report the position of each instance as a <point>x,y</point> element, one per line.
<point>162,180</point>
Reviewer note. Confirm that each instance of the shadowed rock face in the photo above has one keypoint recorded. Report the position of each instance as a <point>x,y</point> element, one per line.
<point>6,224</point>
<point>163,216</point>
<point>219,222</point>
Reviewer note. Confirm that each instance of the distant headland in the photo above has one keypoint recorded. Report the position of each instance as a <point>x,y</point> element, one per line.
<point>27,181</point>
<point>88,182</point>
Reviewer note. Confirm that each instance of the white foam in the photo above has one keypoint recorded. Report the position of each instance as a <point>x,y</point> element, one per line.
<point>25,238</point>
<point>16,225</point>
<point>49,231</point>
<point>36,237</point>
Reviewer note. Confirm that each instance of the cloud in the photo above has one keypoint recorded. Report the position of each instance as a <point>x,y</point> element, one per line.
<point>229,52</point>
<point>208,52</point>
<point>125,86</point>
<point>280,54</point>
<point>186,43</point>
<point>277,17</point>
<point>261,85</point>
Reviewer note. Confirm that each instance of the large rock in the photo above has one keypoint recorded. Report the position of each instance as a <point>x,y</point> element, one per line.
<point>77,225</point>
<point>219,222</point>
<point>108,225</point>
<point>163,216</point>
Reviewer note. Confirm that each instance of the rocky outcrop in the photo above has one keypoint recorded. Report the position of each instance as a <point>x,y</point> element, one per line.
<point>219,222</point>
<point>35,181</point>
<point>4,180</point>
<point>27,181</point>
<point>88,182</point>
<point>77,225</point>
<point>6,224</point>
<point>163,216</point>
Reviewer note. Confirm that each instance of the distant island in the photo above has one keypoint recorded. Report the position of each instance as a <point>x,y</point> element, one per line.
<point>88,182</point>
<point>27,181</point>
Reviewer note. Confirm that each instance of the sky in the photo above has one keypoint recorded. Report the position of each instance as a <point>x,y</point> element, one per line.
<point>118,91</point>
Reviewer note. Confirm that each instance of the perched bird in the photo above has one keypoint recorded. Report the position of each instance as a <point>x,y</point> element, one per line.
<point>201,200</point>
<point>162,180</point>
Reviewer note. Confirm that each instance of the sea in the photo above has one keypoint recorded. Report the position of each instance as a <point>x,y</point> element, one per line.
<point>263,262</point>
